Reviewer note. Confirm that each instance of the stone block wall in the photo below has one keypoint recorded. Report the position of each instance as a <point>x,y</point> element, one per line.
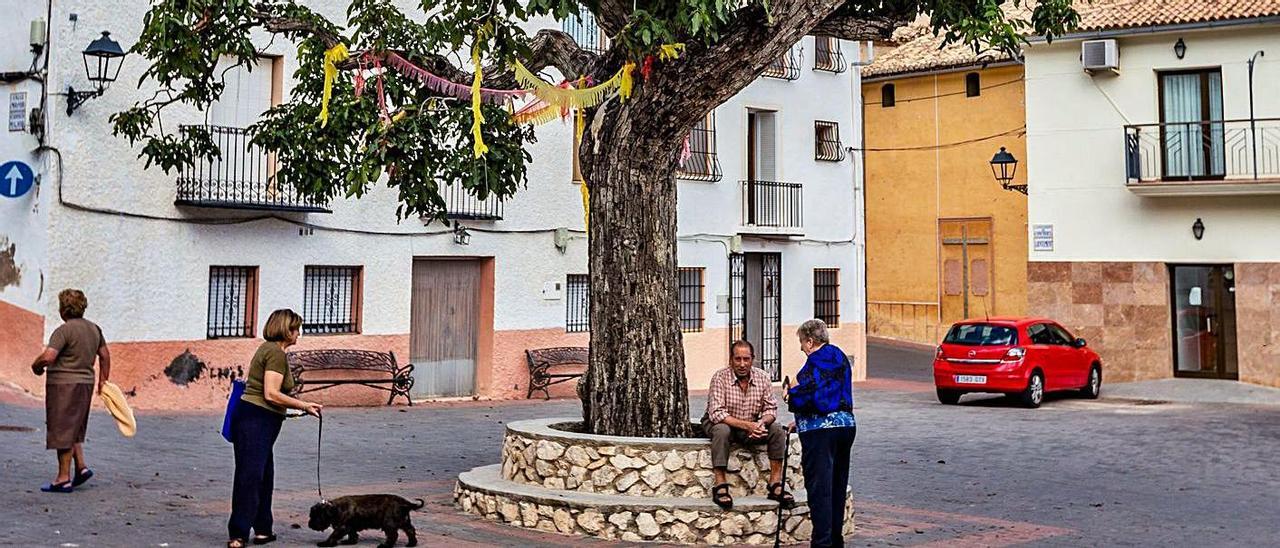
<point>1258,322</point>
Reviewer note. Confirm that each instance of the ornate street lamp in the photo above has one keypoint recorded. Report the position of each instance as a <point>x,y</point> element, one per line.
<point>1197,229</point>
<point>1180,48</point>
<point>102,61</point>
<point>1003,167</point>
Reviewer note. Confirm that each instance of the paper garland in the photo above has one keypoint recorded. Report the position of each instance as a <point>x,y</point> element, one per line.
<point>572,98</point>
<point>477,117</point>
<point>446,87</point>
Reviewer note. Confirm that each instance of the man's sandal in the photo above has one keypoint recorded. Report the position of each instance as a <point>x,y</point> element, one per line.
<point>236,543</point>
<point>720,495</point>
<point>779,493</point>
<point>264,539</point>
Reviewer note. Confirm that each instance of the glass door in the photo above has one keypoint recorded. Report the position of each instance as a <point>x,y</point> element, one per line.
<point>1204,321</point>
<point>1192,132</point>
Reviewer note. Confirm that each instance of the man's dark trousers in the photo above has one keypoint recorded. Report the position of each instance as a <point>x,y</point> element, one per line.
<point>825,460</point>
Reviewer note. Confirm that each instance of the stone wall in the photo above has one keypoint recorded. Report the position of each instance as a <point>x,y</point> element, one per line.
<point>1121,309</point>
<point>540,454</point>
<point>1258,322</point>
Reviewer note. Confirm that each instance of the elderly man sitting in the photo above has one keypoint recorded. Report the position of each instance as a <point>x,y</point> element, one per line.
<point>741,409</point>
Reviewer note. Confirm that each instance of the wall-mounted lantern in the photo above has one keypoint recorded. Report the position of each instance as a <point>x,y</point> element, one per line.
<point>1180,48</point>
<point>102,61</point>
<point>1003,167</point>
<point>1197,229</point>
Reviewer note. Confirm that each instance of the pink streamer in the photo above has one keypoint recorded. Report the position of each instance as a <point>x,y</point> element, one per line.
<point>443,86</point>
<point>685,153</point>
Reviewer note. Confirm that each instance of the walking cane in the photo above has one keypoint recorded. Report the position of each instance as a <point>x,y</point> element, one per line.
<point>786,454</point>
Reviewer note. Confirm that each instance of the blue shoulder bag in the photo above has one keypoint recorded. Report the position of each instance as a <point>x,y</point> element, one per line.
<point>237,390</point>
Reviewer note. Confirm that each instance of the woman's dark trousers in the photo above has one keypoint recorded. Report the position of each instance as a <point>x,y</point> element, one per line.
<point>253,433</point>
<point>825,460</point>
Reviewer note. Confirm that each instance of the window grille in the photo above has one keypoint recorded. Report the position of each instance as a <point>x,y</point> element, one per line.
<point>887,96</point>
<point>785,67</point>
<point>331,299</point>
<point>827,55</point>
<point>233,301</point>
<point>972,85</point>
<point>461,204</point>
<point>691,298</point>
<point>577,290</point>
<point>585,31</point>
<point>701,164</point>
<point>827,145</point>
<point>826,295</point>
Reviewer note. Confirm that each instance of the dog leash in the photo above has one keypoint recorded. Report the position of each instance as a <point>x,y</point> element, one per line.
<point>319,436</point>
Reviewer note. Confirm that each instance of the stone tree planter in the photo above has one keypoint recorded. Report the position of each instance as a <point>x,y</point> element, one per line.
<point>634,489</point>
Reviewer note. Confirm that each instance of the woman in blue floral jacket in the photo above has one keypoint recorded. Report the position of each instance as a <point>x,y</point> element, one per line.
<point>822,401</point>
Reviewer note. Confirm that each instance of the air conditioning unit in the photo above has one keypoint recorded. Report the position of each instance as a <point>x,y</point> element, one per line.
<point>1100,55</point>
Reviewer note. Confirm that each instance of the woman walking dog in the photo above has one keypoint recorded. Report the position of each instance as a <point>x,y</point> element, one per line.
<point>255,427</point>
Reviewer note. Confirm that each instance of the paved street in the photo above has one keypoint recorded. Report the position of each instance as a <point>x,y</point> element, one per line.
<point>986,473</point>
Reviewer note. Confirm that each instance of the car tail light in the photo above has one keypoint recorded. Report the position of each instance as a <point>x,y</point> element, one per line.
<point>938,354</point>
<point>1015,354</point>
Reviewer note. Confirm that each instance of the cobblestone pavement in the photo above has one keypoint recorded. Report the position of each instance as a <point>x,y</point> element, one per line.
<point>1073,473</point>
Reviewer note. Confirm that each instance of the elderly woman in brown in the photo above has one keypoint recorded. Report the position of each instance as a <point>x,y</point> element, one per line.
<point>255,425</point>
<point>69,387</point>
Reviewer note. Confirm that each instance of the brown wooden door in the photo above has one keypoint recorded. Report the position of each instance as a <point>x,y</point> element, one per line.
<point>966,269</point>
<point>443,329</point>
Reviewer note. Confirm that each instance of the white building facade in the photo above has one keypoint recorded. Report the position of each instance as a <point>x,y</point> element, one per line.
<point>182,270</point>
<point>1153,229</point>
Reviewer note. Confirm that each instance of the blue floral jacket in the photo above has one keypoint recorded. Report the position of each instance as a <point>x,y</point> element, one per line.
<point>824,387</point>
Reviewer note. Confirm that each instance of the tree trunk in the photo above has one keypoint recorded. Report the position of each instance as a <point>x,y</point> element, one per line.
<point>635,384</point>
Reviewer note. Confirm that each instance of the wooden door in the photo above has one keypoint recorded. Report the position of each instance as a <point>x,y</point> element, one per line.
<point>965,269</point>
<point>445,311</point>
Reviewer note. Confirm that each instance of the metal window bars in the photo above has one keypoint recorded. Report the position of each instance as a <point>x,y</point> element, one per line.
<point>585,31</point>
<point>702,164</point>
<point>233,301</point>
<point>242,177</point>
<point>577,289</point>
<point>462,204</point>
<point>785,67</point>
<point>331,298</point>
<point>772,204</point>
<point>826,144</point>
<point>827,56</point>
<point>826,295</point>
<point>689,280</point>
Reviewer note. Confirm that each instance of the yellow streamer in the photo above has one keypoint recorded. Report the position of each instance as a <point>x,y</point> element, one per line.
<point>667,52</point>
<point>567,98</point>
<point>538,116</point>
<point>580,126</point>
<point>332,57</point>
<point>477,117</point>
<point>624,86</point>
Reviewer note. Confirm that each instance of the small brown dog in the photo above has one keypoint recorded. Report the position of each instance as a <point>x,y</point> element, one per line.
<point>350,515</point>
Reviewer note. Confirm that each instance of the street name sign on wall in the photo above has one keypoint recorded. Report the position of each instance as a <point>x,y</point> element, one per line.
<point>1042,237</point>
<point>16,179</point>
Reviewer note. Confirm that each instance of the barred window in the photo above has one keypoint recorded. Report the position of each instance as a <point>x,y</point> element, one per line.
<point>888,97</point>
<point>827,144</point>
<point>585,31</point>
<point>233,301</point>
<point>827,54</point>
<point>331,298</point>
<point>577,318</point>
<point>785,67</point>
<point>826,295</point>
<point>699,162</point>
<point>691,298</point>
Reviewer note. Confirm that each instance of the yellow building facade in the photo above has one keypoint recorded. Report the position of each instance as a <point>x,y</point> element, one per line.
<point>945,241</point>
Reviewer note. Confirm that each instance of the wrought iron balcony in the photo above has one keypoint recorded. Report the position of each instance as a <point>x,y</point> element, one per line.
<point>785,67</point>
<point>243,177</point>
<point>827,56</point>
<point>465,206</point>
<point>1204,158</point>
<point>772,207</point>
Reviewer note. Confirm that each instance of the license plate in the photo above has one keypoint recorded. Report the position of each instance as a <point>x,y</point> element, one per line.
<point>971,379</point>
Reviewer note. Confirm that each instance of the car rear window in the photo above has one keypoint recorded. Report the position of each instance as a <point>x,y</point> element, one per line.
<point>982,335</point>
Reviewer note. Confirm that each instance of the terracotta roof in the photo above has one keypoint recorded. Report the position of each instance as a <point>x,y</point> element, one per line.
<point>1121,14</point>
<point>918,50</point>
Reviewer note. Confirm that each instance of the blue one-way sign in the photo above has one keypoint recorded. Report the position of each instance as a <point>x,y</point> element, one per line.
<point>16,179</point>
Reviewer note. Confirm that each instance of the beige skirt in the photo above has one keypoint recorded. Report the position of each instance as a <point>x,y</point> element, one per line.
<point>66,414</point>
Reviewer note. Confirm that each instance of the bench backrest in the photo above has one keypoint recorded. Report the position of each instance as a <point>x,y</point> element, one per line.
<point>565,355</point>
<point>338,359</point>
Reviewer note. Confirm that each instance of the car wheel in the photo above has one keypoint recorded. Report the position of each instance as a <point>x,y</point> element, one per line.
<point>948,397</point>
<point>1094,387</point>
<point>1033,395</point>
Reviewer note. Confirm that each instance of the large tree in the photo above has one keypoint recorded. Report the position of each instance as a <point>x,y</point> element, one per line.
<point>635,385</point>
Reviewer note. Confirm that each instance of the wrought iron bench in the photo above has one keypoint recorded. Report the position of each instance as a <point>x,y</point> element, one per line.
<point>547,367</point>
<point>315,370</point>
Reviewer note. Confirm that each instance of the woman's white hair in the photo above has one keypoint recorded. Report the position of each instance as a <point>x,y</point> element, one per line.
<point>814,330</point>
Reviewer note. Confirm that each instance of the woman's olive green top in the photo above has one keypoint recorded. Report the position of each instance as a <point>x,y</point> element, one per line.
<point>269,357</point>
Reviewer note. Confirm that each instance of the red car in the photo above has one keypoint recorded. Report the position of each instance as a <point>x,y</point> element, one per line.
<point>1023,357</point>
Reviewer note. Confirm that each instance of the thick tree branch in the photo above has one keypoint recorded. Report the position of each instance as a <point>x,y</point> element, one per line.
<point>855,27</point>
<point>612,15</point>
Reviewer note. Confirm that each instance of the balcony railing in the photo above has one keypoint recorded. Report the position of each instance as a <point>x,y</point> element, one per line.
<point>463,205</point>
<point>785,67</point>
<point>243,177</point>
<point>773,205</point>
<point>586,32</point>
<point>1219,152</point>
<point>827,56</point>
